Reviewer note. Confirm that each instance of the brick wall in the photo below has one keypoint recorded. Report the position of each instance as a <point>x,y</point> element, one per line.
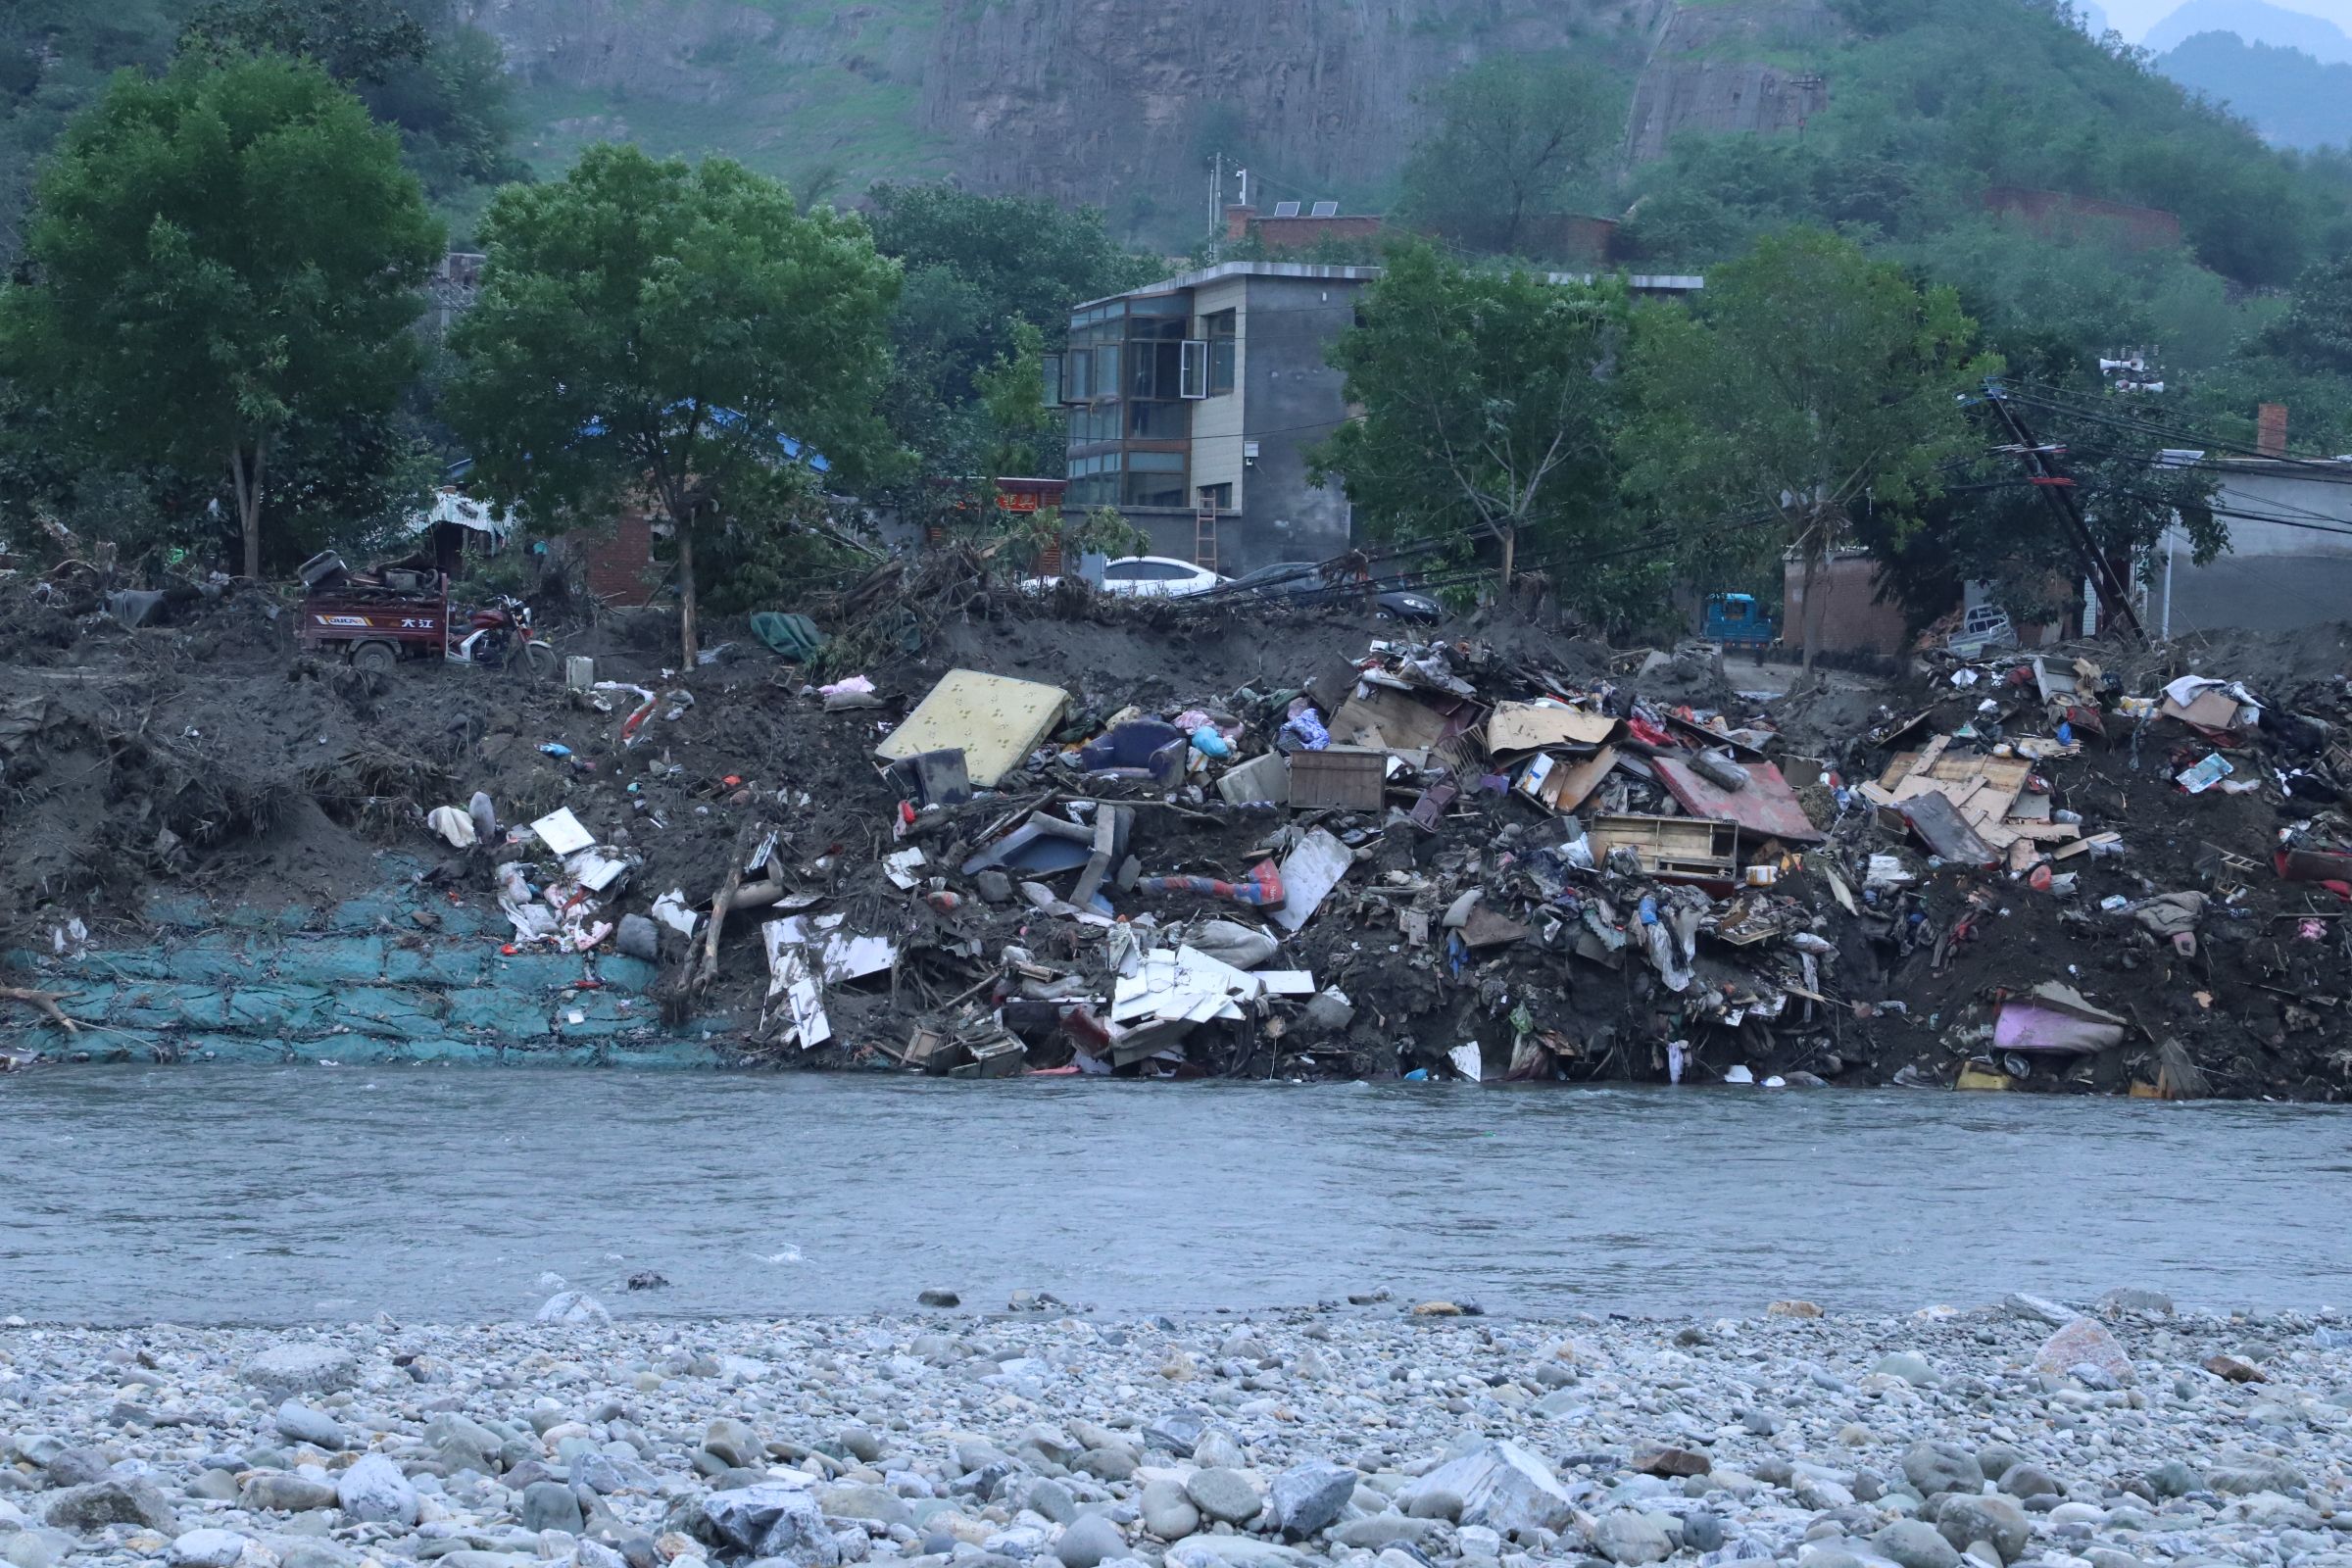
<point>619,559</point>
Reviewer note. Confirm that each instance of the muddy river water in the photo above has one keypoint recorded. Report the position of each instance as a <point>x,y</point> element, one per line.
<point>237,1195</point>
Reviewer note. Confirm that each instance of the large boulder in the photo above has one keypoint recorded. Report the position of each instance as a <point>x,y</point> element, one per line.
<point>113,1501</point>
<point>1088,1542</point>
<point>2243,1474</point>
<point>2084,1341</point>
<point>870,1504</point>
<point>374,1490</point>
<point>283,1491</point>
<point>735,1442</point>
<point>1915,1544</point>
<point>297,1422</point>
<point>284,1371</point>
<point>1225,1495</point>
<point>551,1505</point>
<point>207,1549</point>
<point>1310,1496</point>
<point>1630,1539</point>
<point>1935,1467</point>
<point>1502,1485</point>
<point>773,1520</point>
<point>1965,1520</point>
<point>574,1307</point>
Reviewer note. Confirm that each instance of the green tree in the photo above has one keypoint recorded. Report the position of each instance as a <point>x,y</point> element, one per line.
<point>980,271</point>
<point>353,41</point>
<point>1490,401</point>
<point>2316,333</point>
<point>443,84</point>
<point>649,330</point>
<point>1813,386</point>
<point>1514,135</point>
<point>216,256</point>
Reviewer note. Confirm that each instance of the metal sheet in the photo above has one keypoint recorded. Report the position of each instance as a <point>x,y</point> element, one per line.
<point>1766,808</point>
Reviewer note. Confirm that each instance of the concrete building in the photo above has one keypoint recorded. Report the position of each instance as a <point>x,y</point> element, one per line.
<point>2289,564</point>
<point>1193,404</point>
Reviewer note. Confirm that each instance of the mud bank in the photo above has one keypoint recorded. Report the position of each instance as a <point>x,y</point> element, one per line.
<point>217,850</point>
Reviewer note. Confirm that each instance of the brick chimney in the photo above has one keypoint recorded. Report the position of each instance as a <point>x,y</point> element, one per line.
<point>1238,220</point>
<point>2271,430</point>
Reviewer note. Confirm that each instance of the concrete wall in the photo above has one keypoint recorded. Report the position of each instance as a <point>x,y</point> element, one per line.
<point>1217,421</point>
<point>2285,568</point>
<point>1291,402</point>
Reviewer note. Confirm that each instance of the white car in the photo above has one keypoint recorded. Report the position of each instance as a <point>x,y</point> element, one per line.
<point>1158,577</point>
<point>1144,577</point>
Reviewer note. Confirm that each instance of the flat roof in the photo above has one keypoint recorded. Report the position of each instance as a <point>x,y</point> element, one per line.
<point>1310,272</point>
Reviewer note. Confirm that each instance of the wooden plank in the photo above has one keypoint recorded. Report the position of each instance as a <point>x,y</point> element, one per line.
<point>1927,758</point>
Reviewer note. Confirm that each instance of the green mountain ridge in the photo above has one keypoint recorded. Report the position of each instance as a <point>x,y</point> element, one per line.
<point>2293,99</point>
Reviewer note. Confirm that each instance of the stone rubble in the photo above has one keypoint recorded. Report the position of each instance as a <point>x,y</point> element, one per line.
<point>1330,1438</point>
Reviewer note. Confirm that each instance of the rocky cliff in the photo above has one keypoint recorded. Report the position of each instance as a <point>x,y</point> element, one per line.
<point>1730,68</point>
<point>1108,101</point>
<point>1114,102</point>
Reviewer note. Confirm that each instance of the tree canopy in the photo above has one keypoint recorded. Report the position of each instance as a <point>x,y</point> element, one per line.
<point>1814,387</point>
<point>1489,405</point>
<point>217,255</point>
<point>1515,136</point>
<point>676,335</point>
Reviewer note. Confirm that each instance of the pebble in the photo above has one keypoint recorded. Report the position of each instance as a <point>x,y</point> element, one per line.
<point>1364,1438</point>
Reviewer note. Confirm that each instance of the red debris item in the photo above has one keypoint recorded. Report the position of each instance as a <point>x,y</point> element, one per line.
<point>2314,866</point>
<point>1643,730</point>
<point>2040,879</point>
<point>1261,889</point>
<point>731,780</point>
<point>507,949</point>
<point>945,902</point>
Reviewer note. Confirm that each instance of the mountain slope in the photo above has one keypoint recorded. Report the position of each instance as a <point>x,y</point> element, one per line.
<point>2293,99</point>
<point>1105,102</point>
<point>2254,22</point>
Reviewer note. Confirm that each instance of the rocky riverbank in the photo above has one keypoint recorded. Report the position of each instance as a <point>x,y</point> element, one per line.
<point>1367,1436</point>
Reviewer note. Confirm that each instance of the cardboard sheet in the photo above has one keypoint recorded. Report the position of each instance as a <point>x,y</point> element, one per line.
<point>996,721</point>
<point>1517,729</point>
<point>1400,720</point>
<point>1563,784</point>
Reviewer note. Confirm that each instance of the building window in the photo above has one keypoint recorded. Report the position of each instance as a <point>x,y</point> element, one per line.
<point>1156,479</point>
<point>1219,496</point>
<point>1155,421</point>
<point>1223,332</point>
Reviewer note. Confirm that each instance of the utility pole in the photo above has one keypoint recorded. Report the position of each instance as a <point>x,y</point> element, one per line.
<point>2058,492</point>
<point>1216,197</point>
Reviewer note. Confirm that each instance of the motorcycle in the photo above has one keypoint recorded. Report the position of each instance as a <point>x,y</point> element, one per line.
<point>503,638</point>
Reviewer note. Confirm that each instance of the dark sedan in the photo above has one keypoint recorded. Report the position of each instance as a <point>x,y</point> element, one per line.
<point>1301,581</point>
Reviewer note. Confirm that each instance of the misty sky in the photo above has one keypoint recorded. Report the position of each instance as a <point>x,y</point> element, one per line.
<point>2134,18</point>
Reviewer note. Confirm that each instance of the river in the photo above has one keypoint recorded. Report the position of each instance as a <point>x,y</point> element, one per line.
<point>262,1195</point>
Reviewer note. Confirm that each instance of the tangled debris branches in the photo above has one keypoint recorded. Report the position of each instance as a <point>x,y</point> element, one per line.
<point>378,791</point>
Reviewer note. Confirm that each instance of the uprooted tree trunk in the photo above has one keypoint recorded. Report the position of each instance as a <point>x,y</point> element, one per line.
<point>42,1001</point>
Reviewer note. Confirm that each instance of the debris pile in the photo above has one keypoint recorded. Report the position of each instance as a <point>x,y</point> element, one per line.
<point>1143,843</point>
